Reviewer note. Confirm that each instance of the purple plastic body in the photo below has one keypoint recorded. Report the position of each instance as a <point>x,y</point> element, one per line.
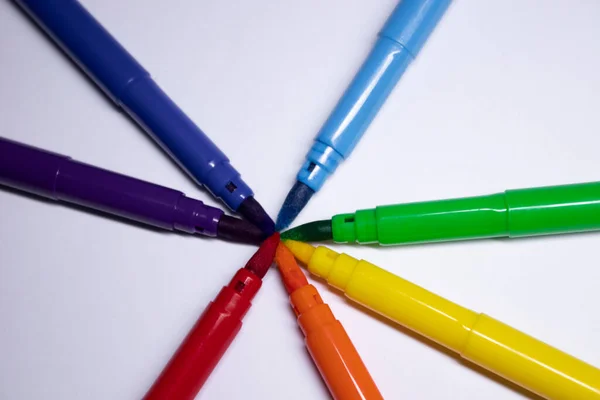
<point>58,177</point>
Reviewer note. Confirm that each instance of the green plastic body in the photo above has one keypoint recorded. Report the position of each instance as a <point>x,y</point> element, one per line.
<point>514,213</point>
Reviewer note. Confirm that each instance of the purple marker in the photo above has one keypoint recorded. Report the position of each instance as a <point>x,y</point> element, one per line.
<point>58,177</point>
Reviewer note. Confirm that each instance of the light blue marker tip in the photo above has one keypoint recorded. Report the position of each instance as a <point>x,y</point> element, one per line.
<point>398,44</point>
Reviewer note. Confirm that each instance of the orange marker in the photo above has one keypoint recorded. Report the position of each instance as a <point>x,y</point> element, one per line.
<point>328,343</point>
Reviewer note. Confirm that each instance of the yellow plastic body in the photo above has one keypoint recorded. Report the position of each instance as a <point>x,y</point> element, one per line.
<point>479,338</point>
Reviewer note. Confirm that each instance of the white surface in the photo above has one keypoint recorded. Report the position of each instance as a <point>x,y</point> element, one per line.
<point>504,95</point>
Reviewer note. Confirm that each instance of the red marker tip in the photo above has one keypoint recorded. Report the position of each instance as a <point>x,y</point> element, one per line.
<point>262,260</point>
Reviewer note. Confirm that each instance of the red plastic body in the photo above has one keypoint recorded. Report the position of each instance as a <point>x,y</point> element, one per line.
<point>190,367</point>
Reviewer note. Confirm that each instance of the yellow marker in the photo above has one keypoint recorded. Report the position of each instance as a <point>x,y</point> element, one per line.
<point>491,344</point>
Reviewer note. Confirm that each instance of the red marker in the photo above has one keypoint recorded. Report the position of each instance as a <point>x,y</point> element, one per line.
<point>190,367</point>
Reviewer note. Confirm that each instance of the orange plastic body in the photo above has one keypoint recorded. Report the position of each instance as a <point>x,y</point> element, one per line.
<point>332,350</point>
<point>335,356</point>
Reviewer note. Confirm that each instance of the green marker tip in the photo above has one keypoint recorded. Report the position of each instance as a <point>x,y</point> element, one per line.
<point>317,231</point>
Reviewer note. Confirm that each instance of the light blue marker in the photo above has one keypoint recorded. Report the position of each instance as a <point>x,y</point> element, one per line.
<point>398,44</point>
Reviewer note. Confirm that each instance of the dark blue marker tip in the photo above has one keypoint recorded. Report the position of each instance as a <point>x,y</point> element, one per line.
<point>295,201</point>
<point>252,211</point>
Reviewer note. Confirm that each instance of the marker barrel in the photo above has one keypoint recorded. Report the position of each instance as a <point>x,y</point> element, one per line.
<point>514,213</point>
<point>130,87</point>
<point>399,42</point>
<point>200,352</point>
<point>58,177</point>
<point>491,344</point>
<point>333,352</point>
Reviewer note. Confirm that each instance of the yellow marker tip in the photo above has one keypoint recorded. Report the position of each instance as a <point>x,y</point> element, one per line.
<point>302,251</point>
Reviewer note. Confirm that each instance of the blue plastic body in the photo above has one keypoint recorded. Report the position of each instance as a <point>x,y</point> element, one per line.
<point>399,42</point>
<point>131,87</point>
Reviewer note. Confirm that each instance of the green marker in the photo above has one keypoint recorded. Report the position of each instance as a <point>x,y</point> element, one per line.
<point>514,213</point>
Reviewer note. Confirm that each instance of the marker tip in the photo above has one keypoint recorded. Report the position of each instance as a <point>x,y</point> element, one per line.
<point>302,251</point>
<point>239,230</point>
<point>295,201</point>
<point>255,213</point>
<point>316,231</point>
<point>261,261</point>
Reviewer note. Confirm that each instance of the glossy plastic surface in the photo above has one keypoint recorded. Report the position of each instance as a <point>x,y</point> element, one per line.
<point>399,41</point>
<point>514,213</point>
<point>491,344</point>
<point>130,87</point>
<point>58,177</point>
<point>335,356</point>
<point>197,356</point>
<point>332,350</point>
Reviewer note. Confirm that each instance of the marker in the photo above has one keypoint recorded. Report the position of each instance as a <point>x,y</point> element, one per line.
<point>478,338</point>
<point>328,343</point>
<point>399,42</point>
<point>61,178</point>
<point>132,89</point>
<point>201,350</point>
<point>514,213</point>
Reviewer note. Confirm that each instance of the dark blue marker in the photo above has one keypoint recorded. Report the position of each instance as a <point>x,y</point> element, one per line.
<point>132,88</point>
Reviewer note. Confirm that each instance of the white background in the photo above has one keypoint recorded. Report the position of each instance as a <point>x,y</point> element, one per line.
<point>504,95</point>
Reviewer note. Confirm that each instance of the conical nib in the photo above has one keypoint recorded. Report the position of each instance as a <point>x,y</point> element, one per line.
<point>253,212</point>
<point>295,201</point>
<point>239,230</point>
<point>302,251</point>
<point>317,231</point>
<point>261,261</point>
